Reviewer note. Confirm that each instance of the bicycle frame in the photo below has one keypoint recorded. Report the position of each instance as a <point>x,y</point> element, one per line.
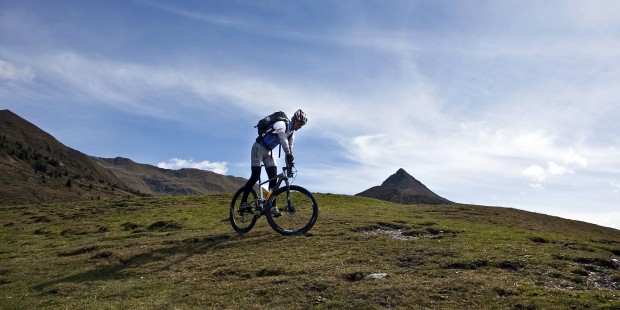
<point>281,177</point>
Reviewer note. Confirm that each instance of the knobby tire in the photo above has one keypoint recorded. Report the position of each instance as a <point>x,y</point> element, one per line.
<point>242,222</point>
<point>298,217</point>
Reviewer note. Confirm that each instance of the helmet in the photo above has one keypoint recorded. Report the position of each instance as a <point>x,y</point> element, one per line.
<point>300,116</point>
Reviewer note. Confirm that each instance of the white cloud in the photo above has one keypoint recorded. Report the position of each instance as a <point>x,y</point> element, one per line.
<point>177,163</point>
<point>573,157</point>
<point>555,169</point>
<point>367,149</point>
<point>608,219</point>
<point>616,187</point>
<point>536,173</point>
<point>11,72</point>
<point>540,175</point>
<point>536,186</point>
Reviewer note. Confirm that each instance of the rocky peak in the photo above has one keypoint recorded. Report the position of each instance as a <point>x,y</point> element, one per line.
<point>401,179</point>
<point>403,188</point>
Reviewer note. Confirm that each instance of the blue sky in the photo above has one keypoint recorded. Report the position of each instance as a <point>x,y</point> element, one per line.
<point>509,103</point>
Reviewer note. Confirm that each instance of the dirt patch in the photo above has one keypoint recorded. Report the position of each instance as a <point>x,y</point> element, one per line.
<point>266,272</point>
<point>539,240</point>
<point>396,234</point>
<point>40,219</point>
<point>510,265</point>
<point>42,231</point>
<point>407,261</point>
<point>102,255</point>
<point>356,276</point>
<point>73,232</point>
<point>482,263</point>
<point>130,226</point>
<point>165,226</point>
<point>605,263</point>
<point>79,251</point>
<point>403,232</point>
<point>602,280</point>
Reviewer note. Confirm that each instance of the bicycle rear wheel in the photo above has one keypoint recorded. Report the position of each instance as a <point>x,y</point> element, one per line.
<point>242,220</point>
<point>298,207</point>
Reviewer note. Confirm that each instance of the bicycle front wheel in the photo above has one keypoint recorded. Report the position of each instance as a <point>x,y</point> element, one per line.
<point>298,207</point>
<point>242,220</point>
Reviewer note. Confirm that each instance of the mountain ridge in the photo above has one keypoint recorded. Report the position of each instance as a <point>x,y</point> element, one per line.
<point>152,180</point>
<point>37,168</point>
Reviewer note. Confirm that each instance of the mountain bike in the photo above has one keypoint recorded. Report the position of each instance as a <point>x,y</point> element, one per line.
<point>298,208</point>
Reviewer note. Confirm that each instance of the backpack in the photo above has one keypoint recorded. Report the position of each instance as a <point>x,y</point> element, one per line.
<point>264,125</point>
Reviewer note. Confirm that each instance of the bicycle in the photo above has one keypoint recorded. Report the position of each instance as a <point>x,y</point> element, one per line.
<point>299,210</point>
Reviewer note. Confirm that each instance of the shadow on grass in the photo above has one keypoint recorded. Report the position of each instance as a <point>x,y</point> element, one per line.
<point>188,247</point>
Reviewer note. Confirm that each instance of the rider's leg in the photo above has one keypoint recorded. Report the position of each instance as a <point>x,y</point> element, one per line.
<point>256,158</point>
<point>271,168</point>
<point>250,183</point>
<point>271,173</point>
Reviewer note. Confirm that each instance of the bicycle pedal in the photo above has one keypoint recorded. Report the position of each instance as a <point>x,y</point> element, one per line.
<point>275,212</point>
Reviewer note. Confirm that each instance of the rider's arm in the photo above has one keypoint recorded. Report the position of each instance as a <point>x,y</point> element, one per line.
<point>280,129</point>
<point>291,140</point>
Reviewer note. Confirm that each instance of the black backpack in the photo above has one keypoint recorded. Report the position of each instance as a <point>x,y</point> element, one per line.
<point>264,125</point>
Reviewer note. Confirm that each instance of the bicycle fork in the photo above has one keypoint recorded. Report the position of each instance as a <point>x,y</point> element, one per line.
<point>263,205</point>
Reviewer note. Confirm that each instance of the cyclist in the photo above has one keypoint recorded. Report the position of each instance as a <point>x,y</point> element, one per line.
<point>280,133</point>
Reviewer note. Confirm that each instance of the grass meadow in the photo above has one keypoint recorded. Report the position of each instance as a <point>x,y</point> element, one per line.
<point>181,253</point>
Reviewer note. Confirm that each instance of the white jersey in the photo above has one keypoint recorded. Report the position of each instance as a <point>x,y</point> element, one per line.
<point>279,134</point>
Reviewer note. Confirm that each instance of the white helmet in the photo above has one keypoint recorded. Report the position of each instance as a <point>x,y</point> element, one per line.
<point>300,116</point>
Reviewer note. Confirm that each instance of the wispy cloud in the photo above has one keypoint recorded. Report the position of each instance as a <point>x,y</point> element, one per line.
<point>14,73</point>
<point>539,175</point>
<point>177,163</point>
<point>198,15</point>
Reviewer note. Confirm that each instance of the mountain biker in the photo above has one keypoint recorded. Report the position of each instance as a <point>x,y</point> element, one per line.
<point>280,133</point>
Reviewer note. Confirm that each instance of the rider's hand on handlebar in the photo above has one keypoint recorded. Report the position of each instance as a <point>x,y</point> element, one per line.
<point>289,159</point>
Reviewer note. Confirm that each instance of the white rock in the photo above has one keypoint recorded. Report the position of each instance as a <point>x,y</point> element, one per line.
<point>376,276</point>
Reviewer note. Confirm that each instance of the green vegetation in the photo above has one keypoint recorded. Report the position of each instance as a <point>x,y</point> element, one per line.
<point>180,253</point>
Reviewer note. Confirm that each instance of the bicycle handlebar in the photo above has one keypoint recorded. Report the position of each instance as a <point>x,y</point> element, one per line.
<point>289,169</point>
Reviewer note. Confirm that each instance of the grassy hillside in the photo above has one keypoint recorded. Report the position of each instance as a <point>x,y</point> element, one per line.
<point>37,168</point>
<point>180,252</point>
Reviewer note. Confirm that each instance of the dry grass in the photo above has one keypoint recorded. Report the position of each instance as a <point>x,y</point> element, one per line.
<point>180,252</point>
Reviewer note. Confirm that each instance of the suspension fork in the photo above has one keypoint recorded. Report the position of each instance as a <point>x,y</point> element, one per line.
<point>287,184</point>
<point>288,192</point>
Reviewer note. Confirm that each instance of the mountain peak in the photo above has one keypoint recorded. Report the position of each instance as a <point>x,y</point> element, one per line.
<point>401,179</point>
<point>401,187</point>
<point>122,161</point>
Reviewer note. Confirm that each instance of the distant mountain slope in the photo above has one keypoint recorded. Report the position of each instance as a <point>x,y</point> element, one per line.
<point>152,180</point>
<point>35,167</point>
<point>403,188</point>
